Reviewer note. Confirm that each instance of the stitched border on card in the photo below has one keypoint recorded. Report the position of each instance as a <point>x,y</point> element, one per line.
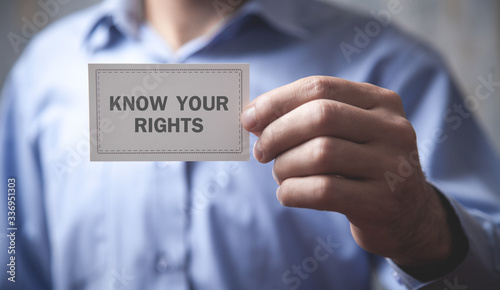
<point>168,151</point>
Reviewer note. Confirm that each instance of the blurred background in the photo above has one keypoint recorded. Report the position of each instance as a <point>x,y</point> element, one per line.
<point>465,32</point>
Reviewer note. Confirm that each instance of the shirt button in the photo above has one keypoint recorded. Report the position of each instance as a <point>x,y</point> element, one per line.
<point>161,263</point>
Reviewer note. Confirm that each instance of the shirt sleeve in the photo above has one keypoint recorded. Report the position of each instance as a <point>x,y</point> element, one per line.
<point>456,159</point>
<point>26,236</point>
<point>480,268</point>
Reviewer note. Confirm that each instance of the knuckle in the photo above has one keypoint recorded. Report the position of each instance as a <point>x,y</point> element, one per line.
<point>391,99</point>
<point>324,112</point>
<point>318,87</point>
<point>266,141</point>
<point>389,95</point>
<point>323,189</point>
<point>321,152</point>
<point>276,110</point>
<point>405,132</point>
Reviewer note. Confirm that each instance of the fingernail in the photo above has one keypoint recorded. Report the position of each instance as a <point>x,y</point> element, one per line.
<point>257,153</point>
<point>248,118</point>
<point>274,176</point>
<point>278,196</point>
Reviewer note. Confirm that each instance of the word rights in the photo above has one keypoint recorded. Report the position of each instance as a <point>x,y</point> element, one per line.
<point>168,112</point>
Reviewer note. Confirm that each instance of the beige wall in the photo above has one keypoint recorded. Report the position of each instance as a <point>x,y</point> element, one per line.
<point>466,32</point>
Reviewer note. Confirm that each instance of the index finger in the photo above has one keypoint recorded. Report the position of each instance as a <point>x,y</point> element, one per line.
<point>274,104</point>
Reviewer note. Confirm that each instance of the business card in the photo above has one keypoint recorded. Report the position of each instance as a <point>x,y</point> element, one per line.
<point>168,112</point>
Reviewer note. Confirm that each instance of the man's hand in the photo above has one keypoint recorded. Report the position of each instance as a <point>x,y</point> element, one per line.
<point>333,140</point>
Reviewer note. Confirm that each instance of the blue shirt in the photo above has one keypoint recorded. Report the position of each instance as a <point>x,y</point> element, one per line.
<point>218,225</point>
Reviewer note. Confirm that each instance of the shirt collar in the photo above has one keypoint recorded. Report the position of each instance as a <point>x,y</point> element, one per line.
<point>126,15</point>
<point>283,15</point>
<point>111,16</point>
<point>287,16</point>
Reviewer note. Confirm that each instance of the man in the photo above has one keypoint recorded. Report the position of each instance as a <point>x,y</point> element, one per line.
<point>340,124</point>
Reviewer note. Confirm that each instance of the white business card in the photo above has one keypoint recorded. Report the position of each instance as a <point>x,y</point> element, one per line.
<point>168,112</point>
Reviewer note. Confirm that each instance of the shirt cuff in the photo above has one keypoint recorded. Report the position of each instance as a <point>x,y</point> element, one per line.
<point>481,267</point>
